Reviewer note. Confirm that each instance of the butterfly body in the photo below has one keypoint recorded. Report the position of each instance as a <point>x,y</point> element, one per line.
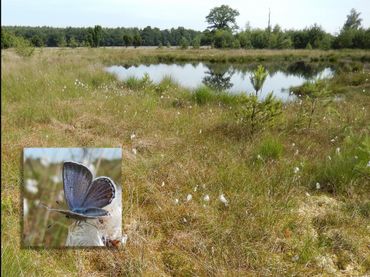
<point>86,197</point>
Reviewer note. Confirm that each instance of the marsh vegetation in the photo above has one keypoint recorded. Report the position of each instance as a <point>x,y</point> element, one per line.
<point>207,188</point>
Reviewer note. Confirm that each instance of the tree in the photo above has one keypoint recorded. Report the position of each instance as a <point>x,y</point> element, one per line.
<point>61,41</point>
<point>351,29</point>
<point>255,113</point>
<point>37,41</point>
<point>223,39</point>
<point>196,42</point>
<point>245,39</point>
<point>127,40</point>
<point>222,18</point>
<point>184,44</point>
<point>259,39</point>
<point>8,39</point>
<point>72,42</point>
<point>97,34</point>
<point>236,44</point>
<point>353,20</point>
<point>258,78</point>
<point>137,39</point>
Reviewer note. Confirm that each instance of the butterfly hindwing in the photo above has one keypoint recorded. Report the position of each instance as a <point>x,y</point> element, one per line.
<point>95,212</point>
<point>77,180</point>
<point>77,216</point>
<point>101,193</point>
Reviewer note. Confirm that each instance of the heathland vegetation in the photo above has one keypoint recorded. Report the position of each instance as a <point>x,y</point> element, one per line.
<point>213,183</point>
<point>222,32</point>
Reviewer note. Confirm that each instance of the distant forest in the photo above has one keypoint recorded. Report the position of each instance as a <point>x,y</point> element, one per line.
<point>222,33</point>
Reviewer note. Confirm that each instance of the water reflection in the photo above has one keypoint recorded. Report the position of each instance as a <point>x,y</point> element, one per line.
<point>218,76</point>
<point>233,78</point>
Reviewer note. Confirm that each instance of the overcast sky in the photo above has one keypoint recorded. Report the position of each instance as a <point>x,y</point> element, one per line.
<point>55,155</point>
<point>330,14</point>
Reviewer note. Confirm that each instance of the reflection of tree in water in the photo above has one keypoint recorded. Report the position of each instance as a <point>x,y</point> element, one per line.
<point>306,70</point>
<point>303,69</point>
<point>218,76</point>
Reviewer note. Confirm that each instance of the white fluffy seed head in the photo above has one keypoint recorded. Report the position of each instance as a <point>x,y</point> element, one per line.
<point>223,199</point>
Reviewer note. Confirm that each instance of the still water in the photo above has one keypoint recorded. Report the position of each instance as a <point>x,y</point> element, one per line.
<point>230,77</point>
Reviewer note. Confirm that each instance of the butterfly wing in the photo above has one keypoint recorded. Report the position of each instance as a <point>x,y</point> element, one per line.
<point>78,216</point>
<point>95,212</point>
<point>76,182</point>
<point>101,193</point>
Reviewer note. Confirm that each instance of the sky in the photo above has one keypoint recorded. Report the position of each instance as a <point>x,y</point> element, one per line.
<point>165,14</point>
<point>55,155</point>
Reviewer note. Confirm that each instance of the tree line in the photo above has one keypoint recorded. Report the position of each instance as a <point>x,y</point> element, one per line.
<point>222,32</point>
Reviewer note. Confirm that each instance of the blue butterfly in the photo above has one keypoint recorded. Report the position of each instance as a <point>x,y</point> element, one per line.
<point>86,197</point>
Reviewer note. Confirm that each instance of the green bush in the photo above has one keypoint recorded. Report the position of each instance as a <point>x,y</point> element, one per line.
<point>8,39</point>
<point>23,47</point>
<point>255,113</point>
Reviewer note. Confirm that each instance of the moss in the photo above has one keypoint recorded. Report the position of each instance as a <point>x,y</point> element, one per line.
<point>177,264</point>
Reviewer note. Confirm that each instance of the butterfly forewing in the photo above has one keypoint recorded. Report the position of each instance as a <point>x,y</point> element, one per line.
<point>101,193</point>
<point>77,180</point>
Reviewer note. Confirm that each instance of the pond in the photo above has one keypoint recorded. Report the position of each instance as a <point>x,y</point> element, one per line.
<point>233,78</point>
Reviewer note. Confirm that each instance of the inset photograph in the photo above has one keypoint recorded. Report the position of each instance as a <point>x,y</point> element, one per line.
<point>72,197</point>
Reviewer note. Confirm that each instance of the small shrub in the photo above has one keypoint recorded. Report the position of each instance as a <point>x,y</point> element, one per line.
<point>257,114</point>
<point>253,112</point>
<point>311,91</point>
<point>24,47</point>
